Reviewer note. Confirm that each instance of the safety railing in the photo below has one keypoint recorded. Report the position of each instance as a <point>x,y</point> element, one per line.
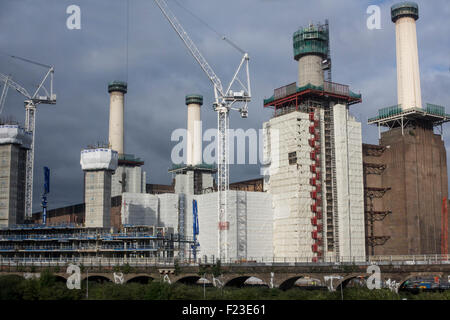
<point>436,259</point>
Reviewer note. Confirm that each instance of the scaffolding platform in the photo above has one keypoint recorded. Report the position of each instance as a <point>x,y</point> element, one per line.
<point>292,96</point>
<point>129,160</point>
<point>183,168</point>
<point>396,117</point>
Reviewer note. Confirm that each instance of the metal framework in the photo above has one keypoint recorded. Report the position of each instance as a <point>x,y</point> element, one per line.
<point>376,192</point>
<point>223,103</point>
<point>30,111</point>
<point>241,215</point>
<point>408,117</point>
<point>374,168</point>
<point>377,241</point>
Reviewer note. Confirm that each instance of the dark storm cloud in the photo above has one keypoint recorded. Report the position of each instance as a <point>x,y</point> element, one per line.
<point>161,72</point>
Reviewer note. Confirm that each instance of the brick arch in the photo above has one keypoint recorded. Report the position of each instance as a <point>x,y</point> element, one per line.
<point>139,278</point>
<point>99,276</point>
<point>177,278</point>
<point>288,283</point>
<point>348,278</point>
<point>190,280</point>
<point>420,274</point>
<point>238,281</point>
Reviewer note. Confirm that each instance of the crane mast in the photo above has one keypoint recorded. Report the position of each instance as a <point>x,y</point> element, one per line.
<point>223,103</point>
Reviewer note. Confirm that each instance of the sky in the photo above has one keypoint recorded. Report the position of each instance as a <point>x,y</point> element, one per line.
<point>160,71</point>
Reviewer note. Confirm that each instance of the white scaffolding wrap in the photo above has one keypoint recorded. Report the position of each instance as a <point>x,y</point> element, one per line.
<point>99,159</point>
<point>286,139</point>
<point>14,134</point>
<point>250,218</point>
<point>350,189</point>
<point>139,209</point>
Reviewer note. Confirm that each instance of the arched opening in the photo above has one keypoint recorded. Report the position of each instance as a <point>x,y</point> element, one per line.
<point>60,279</point>
<point>141,280</point>
<point>97,279</point>
<point>353,282</point>
<point>307,283</point>
<point>189,280</point>
<point>289,283</point>
<point>246,281</point>
<point>415,284</point>
<point>237,282</point>
<point>304,283</point>
<point>255,282</point>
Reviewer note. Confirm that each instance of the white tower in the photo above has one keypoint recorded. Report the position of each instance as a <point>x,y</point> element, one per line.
<point>194,129</point>
<point>98,165</point>
<point>404,15</point>
<point>117,90</point>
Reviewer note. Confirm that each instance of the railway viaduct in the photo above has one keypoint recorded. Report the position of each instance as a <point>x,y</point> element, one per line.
<point>274,276</point>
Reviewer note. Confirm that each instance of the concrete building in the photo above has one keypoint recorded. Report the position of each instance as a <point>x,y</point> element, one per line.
<point>129,176</point>
<point>98,165</point>
<point>313,153</point>
<point>14,143</point>
<point>415,158</point>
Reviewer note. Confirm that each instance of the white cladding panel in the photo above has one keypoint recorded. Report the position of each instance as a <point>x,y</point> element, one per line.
<point>99,159</point>
<point>14,134</point>
<point>289,184</point>
<point>139,209</point>
<point>349,179</point>
<point>168,210</point>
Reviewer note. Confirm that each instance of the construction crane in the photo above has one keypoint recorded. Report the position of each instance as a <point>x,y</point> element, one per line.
<point>224,101</point>
<point>32,100</point>
<point>4,93</point>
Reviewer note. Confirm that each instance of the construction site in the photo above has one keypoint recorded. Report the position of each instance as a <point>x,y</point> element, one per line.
<point>325,196</point>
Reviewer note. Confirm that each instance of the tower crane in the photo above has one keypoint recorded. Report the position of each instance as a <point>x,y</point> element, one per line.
<point>224,101</point>
<point>4,93</point>
<point>32,100</point>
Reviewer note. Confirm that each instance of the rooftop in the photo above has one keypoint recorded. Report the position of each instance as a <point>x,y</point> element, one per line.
<point>288,94</point>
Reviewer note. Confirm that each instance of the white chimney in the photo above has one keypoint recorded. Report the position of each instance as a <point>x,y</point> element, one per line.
<point>194,129</point>
<point>117,90</point>
<point>404,15</point>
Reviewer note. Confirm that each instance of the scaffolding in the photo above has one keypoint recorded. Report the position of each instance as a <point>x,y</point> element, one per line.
<point>66,242</point>
<point>397,117</point>
<point>315,182</point>
<point>372,193</point>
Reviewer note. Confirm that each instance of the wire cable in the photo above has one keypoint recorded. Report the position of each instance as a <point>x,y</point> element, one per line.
<point>220,35</point>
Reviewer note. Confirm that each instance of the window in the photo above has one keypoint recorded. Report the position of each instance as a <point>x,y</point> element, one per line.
<point>292,158</point>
